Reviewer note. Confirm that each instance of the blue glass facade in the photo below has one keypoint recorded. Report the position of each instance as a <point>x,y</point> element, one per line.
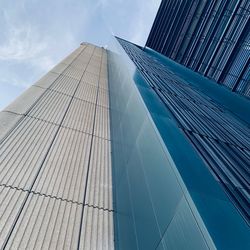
<point>166,196</point>
<point>210,37</point>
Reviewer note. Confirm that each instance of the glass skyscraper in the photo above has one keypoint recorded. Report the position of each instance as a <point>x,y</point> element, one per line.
<point>180,155</point>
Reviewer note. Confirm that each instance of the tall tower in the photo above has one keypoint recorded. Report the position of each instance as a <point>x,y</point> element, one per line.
<point>55,166</point>
<point>180,155</point>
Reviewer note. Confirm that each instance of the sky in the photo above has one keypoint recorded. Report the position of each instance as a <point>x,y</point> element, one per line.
<point>38,34</point>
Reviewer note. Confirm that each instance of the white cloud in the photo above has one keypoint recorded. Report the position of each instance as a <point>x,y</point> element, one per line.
<point>23,47</point>
<point>23,41</point>
<point>22,44</point>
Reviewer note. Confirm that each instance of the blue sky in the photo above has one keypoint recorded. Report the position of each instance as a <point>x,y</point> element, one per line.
<point>36,35</point>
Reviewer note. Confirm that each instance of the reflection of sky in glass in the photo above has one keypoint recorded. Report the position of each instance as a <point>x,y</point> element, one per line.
<point>35,35</point>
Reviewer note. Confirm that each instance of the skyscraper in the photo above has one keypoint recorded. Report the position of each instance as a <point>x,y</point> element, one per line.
<point>124,148</point>
<point>55,166</point>
<point>180,155</point>
<point>210,37</point>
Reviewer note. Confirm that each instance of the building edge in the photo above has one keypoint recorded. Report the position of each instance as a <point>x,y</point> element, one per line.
<point>212,225</point>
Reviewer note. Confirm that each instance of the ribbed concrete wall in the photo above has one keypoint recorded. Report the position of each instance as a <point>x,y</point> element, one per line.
<point>55,166</point>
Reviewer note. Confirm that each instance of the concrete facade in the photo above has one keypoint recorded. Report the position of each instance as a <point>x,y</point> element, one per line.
<point>55,159</point>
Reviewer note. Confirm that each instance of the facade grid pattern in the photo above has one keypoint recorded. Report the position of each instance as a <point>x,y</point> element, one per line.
<point>210,37</point>
<point>55,175</point>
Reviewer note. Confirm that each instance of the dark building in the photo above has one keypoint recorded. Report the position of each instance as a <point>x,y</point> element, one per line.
<point>180,155</point>
<point>211,37</point>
